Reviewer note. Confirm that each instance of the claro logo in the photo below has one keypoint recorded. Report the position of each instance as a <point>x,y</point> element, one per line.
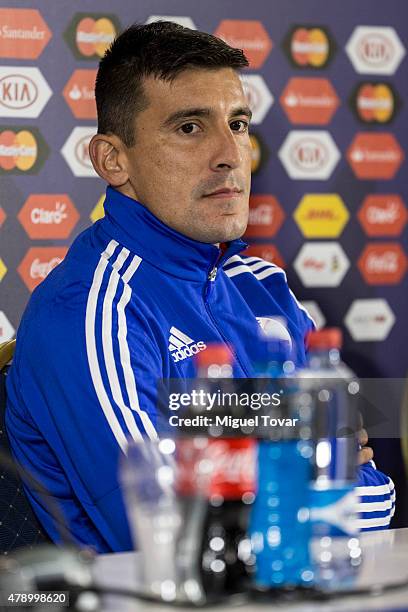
<point>48,216</point>
<point>383,215</point>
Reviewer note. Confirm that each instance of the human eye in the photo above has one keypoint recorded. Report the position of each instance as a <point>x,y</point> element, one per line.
<point>239,125</point>
<point>189,128</point>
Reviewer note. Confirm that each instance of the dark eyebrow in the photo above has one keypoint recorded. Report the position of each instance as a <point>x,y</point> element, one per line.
<point>188,113</point>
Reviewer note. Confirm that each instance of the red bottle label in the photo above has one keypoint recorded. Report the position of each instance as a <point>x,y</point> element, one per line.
<point>211,467</point>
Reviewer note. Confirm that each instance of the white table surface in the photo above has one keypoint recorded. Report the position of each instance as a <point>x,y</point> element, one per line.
<point>385,559</point>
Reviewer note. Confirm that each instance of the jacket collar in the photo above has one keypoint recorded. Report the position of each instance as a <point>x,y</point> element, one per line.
<point>136,228</point>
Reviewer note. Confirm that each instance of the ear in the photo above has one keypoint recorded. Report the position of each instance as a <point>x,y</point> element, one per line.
<point>108,159</point>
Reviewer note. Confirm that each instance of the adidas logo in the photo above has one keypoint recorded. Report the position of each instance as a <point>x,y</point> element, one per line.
<point>181,346</point>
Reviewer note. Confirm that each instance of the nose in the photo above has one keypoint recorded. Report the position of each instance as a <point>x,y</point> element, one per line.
<point>226,149</point>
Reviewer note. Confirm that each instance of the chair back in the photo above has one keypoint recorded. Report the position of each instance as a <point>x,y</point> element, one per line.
<point>18,523</point>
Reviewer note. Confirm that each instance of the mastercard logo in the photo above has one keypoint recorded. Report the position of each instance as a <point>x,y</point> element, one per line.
<point>375,102</point>
<point>309,47</point>
<point>17,150</point>
<point>22,151</point>
<point>90,35</point>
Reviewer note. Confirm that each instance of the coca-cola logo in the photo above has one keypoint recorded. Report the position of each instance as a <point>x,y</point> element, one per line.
<point>38,263</point>
<point>383,264</point>
<point>265,216</point>
<point>41,269</point>
<point>229,467</point>
<point>261,215</point>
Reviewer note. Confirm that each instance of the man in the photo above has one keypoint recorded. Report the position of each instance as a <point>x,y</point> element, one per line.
<point>147,286</point>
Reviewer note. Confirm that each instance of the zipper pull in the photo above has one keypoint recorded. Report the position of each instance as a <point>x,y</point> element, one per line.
<point>212,274</point>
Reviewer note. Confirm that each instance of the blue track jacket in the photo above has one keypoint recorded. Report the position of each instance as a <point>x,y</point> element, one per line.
<point>131,303</point>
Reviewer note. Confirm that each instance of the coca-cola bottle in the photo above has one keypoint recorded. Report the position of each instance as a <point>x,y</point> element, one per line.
<point>216,488</point>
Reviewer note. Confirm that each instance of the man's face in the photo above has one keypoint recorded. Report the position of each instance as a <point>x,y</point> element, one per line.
<point>191,163</point>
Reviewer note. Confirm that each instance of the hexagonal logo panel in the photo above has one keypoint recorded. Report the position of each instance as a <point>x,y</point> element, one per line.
<point>258,96</point>
<point>375,155</point>
<point>24,33</point>
<point>250,36</point>
<point>375,102</point>
<point>79,94</point>
<point>309,46</point>
<point>24,92</point>
<point>265,216</point>
<point>38,263</point>
<point>76,151</point>
<point>383,215</point>
<point>309,101</point>
<point>48,216</point>
<point>309,155</point>
<point>89,34</point>
<point>369,320</point>
<point>383,263</point>
<point>321,215</point>
<point>375,50</point>
<point>321,264</point>
<point>7,331</point>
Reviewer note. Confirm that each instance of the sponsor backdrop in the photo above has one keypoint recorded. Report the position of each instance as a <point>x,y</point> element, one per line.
<point>328,87</point>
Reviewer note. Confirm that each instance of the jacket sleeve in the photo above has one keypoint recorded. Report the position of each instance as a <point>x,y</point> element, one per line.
<point>73,405</point>
<point>376,494</point>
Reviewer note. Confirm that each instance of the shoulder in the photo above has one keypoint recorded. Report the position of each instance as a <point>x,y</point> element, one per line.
<point>248,273</point>
<point>257,267</point>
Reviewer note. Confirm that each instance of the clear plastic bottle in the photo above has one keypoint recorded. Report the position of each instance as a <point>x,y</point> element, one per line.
<point>329,387</point>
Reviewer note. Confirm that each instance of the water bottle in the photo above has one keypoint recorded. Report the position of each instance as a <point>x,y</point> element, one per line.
<point>329,389</point>
<point>279,525</point>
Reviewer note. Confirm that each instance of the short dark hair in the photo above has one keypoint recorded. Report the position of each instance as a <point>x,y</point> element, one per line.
<point>161,49</point>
